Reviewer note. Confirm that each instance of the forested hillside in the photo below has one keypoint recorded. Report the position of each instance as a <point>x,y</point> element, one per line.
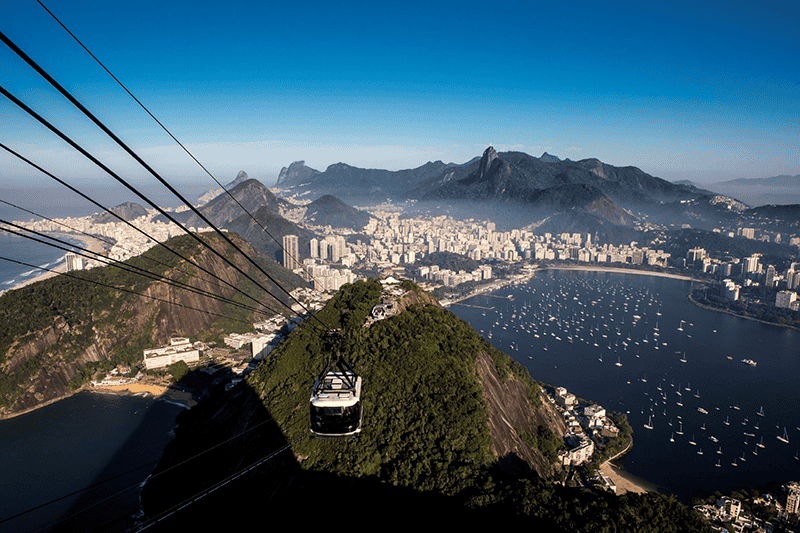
<point>428,440</point>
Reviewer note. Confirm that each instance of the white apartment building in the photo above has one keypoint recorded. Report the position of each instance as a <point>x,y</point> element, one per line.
<point>179,349</point>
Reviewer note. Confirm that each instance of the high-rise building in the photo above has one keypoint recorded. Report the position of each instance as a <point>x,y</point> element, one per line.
<point>73,261</point>
<point>291,257</point>
<point>314,245</point>
<point>793,499</point>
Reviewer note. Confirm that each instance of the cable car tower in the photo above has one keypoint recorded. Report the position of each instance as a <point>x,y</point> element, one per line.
<point>336,397</point>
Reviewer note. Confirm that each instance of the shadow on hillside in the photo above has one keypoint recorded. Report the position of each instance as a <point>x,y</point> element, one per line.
<point>203,454</point>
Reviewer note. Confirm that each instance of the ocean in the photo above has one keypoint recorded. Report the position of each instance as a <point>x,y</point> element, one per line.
<point>27,251</point>
<point>635,344</point>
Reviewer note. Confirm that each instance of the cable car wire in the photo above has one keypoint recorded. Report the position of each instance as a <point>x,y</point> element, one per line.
<point>146,110</point>
<point>67,247</point>
<point>190,261</point>
<point>205,492</point>
<point>123,289</point>
<point>112,242</point>
<point>133,154</point>
<point>137,484</point>
<point>72,143</point>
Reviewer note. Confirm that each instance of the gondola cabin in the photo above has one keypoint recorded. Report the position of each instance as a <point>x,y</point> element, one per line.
<point>336,405</point>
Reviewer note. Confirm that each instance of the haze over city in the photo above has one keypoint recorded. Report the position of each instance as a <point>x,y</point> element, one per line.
<point>683,91</point>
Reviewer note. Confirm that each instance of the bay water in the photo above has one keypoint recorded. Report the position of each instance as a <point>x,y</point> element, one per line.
<point>632,343</point>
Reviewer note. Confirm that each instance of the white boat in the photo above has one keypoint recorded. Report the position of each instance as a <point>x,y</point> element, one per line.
<point>761,444</point>
<point>692,442</point>
<point>785,437</point>
<point>761,411</point>
<point>649,424</point>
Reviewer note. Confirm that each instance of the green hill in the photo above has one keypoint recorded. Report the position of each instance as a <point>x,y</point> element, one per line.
<point>55,333</point>
<point>444,418</point>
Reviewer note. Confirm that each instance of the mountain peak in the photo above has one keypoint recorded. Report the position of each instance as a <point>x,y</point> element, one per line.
<point>296,173</point>
<point>489,155</point>
<point>547,158</point>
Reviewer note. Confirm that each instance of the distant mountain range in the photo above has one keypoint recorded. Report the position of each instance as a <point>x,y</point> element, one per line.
<point>267,225</point>
<point>583,194</point>
<point>127,211</point>
<point>775,181</point>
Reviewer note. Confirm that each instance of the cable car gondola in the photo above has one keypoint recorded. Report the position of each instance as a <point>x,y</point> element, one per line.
<point>336,398</point>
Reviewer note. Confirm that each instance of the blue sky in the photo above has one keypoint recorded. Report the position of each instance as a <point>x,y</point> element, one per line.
<point>704,91</point>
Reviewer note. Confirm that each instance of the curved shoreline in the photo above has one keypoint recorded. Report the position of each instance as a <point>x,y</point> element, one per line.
<point>500,283</point>
<point>91,244</point>
<point>624,480</point>
<point>727,312</point>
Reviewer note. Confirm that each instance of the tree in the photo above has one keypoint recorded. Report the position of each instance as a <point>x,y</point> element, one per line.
<point>178,370</point>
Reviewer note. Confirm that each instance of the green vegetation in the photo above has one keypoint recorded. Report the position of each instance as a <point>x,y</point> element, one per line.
<point>753,302</point>
<point>50,325</point>
<point>545,441</point>
<point>425,437</point>
<point>178,370</point>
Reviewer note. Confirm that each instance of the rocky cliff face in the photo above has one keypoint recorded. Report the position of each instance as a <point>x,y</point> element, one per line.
<point>81,322</point>
<point>295,174</point>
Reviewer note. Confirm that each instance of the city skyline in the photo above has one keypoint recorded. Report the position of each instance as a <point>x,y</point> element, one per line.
<point>700,92</point>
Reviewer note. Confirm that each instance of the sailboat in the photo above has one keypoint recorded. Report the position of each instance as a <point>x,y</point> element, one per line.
<point>785,437</point>
<point>680,431</point>
<point>649,424</point>
<point>761,411</point>
<point>680,328</point>
<point>617,363</point>
<point>672,437</point>
<point>700,451</point>
<point>727,421</point>
<point>761,444</point>
<point>692,442</point>
<point>683,359</point>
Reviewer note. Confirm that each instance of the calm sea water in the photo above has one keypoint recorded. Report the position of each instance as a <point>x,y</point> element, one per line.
<point>82,441</point>
<point>618,339</point>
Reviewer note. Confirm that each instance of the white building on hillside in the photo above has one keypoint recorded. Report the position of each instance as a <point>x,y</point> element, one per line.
<point>179,349</point>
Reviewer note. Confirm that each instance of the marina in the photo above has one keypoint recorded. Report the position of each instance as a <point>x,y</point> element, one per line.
<point>597,334</point>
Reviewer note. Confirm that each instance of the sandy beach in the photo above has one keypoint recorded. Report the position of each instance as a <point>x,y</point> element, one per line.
<point>625,481</point>
<point>89,243</point>
<point>158,391</point>
<point>622,270</point>
<point>500,283</point>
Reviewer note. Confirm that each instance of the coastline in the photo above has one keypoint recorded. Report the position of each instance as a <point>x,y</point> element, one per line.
<point>625,481</point>
<point>91,244</point>
<point>710,308</point>
<point>159,392</point>
<point>521,278</point>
